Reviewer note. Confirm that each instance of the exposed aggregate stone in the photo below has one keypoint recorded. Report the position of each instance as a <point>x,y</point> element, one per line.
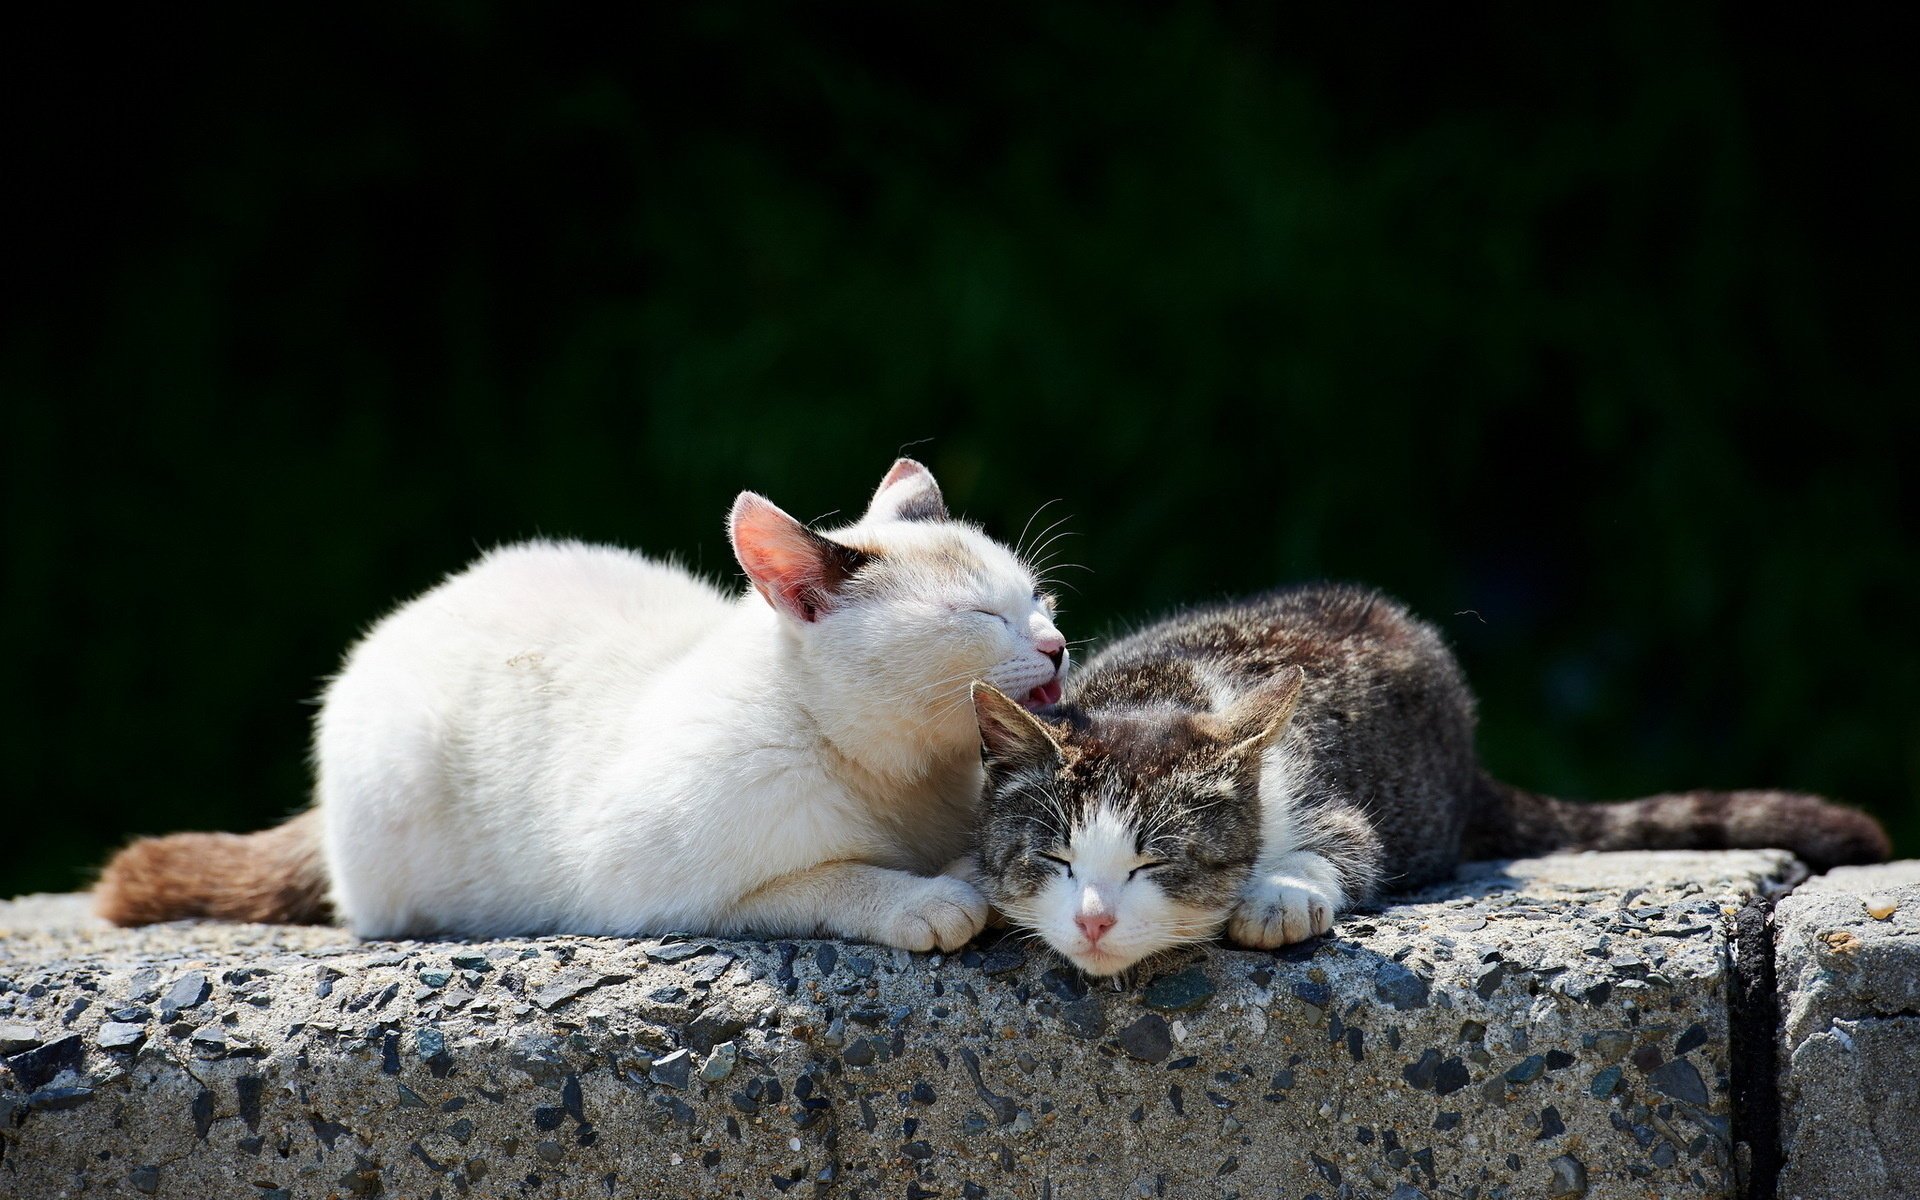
<point>1547,1027</point>
<point>1848,961</point>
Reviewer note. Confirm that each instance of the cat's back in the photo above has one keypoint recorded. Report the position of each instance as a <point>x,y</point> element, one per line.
<point>570,582</point>
<point>547,597</point>
<point>1384,720</point>
<point>533,642</point>
<point>1334,631</point>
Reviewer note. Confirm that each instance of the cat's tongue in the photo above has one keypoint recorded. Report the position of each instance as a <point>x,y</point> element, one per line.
<point>1047,693</point>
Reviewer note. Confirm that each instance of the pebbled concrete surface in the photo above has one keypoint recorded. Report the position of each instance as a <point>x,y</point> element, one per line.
<point>1545,1028</point>
<point>1848,962</point>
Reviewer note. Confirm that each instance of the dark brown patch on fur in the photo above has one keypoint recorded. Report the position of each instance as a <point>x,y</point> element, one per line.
<point>927,506</point>
<point>1390,790</point>
<point>1192,799</point>
<point>839,563</point>
<point>1142,748</point>
<point>276,875</point>
<point>1382,721</point>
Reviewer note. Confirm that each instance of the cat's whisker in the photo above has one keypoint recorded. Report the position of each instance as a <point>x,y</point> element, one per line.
<point>737,730</point>
<point>1019,541</point>
<point>1057,523</point>
<point>1056,583</point>
<point>1387,707</point>
<point>941,713</point>
<point>1049,565</point>
<point>1046,538</point>
<point>968,676</point>
<point>1037,555</point>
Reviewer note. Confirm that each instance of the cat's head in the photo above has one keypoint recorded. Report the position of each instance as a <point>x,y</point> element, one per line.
<point>1122,834</point>
<point>893,616</point>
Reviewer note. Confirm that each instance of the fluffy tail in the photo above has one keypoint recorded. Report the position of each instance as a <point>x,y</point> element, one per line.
<point>276,875</point>
<point>1509,821</point>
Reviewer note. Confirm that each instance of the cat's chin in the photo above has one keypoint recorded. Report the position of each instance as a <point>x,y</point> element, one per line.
<point>1100,963</point>
<point>1043,696</point>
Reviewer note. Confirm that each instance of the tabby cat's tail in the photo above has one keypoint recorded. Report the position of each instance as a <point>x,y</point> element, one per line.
<point>1508,821</point>
<point>275,875</point>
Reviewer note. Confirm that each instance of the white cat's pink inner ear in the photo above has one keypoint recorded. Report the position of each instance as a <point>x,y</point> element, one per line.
<point>903,468</point>
<point>794,568</point>
<point>908,493</point>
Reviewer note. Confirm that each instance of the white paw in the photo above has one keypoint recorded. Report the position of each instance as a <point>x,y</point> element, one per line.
<point>941,913</point>
<point>965,868</point>
<point>1279,910</point>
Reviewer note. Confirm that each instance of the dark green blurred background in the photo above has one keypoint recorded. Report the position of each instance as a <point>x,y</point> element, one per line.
<point>1589,333</point>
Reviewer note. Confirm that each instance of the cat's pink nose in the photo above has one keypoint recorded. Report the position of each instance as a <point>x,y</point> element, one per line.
<point>1053,646</point>
<point>1094,924</point>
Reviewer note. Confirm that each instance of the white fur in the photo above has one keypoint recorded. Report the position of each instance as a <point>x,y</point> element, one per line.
<point>1290,896</point>
<point>1293,894</point>
<point>572,738</point>
<point>1106,876</point>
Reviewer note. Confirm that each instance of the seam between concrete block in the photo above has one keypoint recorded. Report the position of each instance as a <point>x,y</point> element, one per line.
<point>1753,1031</point>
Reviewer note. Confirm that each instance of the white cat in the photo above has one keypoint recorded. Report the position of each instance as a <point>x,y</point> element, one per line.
<point>572,738</point>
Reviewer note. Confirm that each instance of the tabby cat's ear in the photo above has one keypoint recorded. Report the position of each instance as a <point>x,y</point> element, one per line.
<point>1262,716</point>
<point>1010,736</point>
<point>908,493</point>
<point>796,570</point>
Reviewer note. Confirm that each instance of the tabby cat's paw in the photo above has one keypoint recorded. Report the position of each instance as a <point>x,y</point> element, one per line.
<point>1281,910</point>
<point>942,913</point>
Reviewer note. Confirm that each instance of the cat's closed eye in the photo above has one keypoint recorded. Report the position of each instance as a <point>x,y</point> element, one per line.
<point>1062,863</point>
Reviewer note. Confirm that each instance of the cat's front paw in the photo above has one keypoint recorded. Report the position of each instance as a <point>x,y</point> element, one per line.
<point>1279,910</point>
<point>942,913</point>
<point>967,869</point>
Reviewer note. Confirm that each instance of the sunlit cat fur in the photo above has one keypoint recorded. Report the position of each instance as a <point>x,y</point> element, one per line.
<point>1261,766</point>
<point>578,739</point>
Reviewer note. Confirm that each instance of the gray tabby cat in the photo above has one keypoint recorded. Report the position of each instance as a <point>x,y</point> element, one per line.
<point>1267,764</point>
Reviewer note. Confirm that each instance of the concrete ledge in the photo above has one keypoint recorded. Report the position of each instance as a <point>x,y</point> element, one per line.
<point>1848,960</point>
<point>1551,1027</point>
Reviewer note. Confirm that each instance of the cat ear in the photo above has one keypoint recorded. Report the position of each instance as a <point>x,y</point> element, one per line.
<point>908,493</point>
<point>1257,719</point>
<point>1010,736</point>
<point>796,570</point>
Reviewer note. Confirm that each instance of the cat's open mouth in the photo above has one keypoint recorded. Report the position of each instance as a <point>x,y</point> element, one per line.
<point>1047,693</point>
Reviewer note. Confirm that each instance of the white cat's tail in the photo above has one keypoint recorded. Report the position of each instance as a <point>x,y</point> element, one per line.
<point>276,875</point>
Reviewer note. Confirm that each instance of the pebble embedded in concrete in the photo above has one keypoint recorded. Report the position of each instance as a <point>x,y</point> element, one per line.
<point>1847,963</point>
<point>1533,1025</point>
